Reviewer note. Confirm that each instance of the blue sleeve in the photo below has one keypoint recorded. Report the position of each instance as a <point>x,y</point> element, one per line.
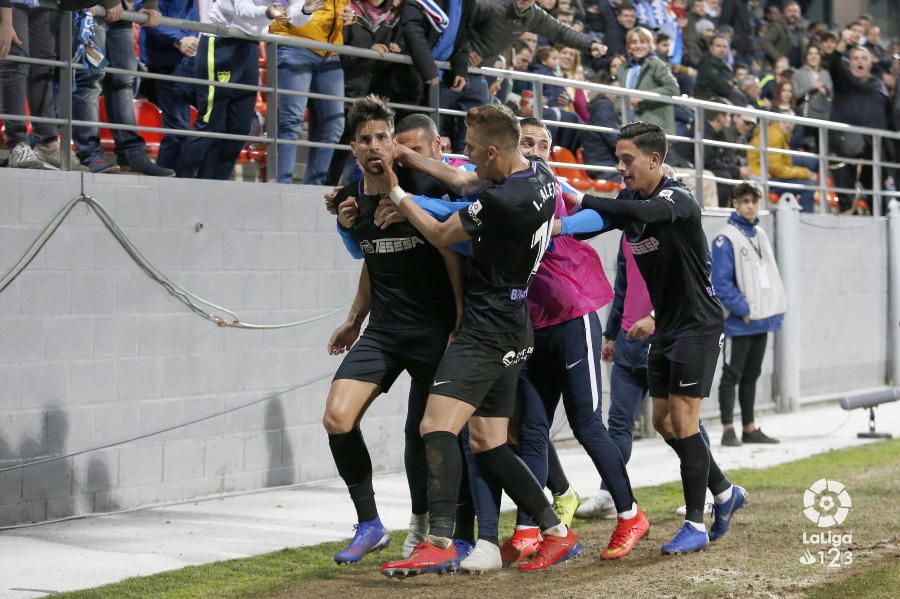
<point>350,243</point>
<point>614,320</point>
<point>723,277</point>
<point>583,221</point>
<point>442,210</point>
<point>439,209</point>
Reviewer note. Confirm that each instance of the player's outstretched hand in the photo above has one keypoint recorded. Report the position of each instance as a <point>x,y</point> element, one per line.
<point>400,153</point>
<point>342,338</point>
<point>387,214</point>
<point>608,350</point>
<point>642,328</point>
<point>347,212</point>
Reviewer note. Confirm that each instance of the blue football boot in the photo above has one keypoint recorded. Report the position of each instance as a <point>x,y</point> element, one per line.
<point>687,540</point>
<point>724,511</point>
<point>370,536</point>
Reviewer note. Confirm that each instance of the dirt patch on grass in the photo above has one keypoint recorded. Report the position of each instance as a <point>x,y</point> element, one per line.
<point>759,558</point>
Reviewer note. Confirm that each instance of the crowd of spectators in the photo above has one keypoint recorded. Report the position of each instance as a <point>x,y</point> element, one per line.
<point>759,53</point>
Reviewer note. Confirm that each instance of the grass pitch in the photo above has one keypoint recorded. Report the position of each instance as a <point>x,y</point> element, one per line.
<point>760,556</point>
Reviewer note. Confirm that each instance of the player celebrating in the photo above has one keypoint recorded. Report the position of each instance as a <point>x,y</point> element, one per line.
<point>661,221</point>
<point>414,307</point>
<point>509,226</point>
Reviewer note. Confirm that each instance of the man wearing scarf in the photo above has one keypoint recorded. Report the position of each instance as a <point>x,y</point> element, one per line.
<point>436,30</point>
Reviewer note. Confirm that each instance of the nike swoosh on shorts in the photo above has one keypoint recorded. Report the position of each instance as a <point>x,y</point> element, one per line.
<point>574,364</point>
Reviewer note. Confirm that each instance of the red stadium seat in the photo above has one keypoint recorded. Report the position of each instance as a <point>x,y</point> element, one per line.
<point>576,177</point>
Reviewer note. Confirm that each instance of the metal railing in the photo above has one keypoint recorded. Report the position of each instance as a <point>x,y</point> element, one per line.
<point>67,71</point>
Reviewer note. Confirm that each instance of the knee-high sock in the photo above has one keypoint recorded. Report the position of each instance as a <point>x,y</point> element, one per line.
<point>513,475</point>
<point>444,472</point>
<point>557,481</point>
<point>716,482</point>
<point>694,474</point>
<point>355,466</point>
<point>465,507</point>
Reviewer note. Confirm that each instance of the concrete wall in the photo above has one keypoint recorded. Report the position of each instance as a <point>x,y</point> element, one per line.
<point>92,352</point>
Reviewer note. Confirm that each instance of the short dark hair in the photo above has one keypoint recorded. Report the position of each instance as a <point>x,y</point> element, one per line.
<point>416,121</point>
<point>647,137</point>
<point>662,37</point>
<point>520,45</point>
<point>496,123</point>
<point>711,115</point>
<point>369,108</point>
<point>746,188</point>
<point>533,122</point>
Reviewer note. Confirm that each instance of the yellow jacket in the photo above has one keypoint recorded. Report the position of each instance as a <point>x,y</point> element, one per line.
<point>780,165</point>
<point>326,25</point>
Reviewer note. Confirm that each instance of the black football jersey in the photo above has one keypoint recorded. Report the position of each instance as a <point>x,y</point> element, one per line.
<point>410,286</point>
<point>510,226</point>
<point>666,237</point>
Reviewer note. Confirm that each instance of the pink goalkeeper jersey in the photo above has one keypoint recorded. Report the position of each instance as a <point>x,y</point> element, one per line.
<point>637,298</point>
<point>570,281</point>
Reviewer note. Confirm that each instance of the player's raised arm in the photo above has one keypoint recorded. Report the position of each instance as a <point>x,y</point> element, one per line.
<point>439,234</point>
<point>463,182</point>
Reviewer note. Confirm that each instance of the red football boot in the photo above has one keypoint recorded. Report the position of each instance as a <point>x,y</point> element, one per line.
<point>553,550</point>
<point>626,535</point>
<point>426,557</point>
<point>523,544</point>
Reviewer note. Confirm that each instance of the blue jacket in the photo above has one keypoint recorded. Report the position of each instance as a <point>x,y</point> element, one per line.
<point>158,43</point>
<point>725,284</point>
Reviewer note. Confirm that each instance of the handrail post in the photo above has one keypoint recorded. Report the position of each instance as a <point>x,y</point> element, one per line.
<point>876,175</point>
<point>434,101</point>
<point>764,158</point>
<point>787,340</point>
<point>66,75</point>
<point>823,170</point>
<point>538,99</point>
<point>272,111</point>
<point>698,153</point>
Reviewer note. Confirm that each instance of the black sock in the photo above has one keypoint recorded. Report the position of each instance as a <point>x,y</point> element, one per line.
<point>716,483</point>
<point>465,507</point>
<point>674,444</point>
<point>355,466</point>
<point>444,472</point>
<point>511,473</point>
<point>694,474</point>
<point>556,476</point>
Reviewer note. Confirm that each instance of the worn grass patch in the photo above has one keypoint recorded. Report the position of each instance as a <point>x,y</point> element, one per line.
<point>758,558</point>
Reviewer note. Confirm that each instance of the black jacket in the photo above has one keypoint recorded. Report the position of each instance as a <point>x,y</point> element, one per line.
<point>737,14</point>
<point>714,78</point>
<point>600,148</point>
<point>419,38</point>
<point>361,73</point>
<point>715,158</point>
<point>861,102</point>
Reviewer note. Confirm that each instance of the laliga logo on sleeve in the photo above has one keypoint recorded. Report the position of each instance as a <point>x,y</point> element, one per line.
<point>826,503</point>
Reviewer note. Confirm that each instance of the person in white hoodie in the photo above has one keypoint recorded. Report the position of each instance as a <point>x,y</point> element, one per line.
<point>231,60</point>
<point>747,282</point>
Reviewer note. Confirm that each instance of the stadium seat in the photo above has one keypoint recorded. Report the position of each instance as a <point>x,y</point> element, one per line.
<point>149,115</point>
<point>600,185</point>
<point>576,177</point>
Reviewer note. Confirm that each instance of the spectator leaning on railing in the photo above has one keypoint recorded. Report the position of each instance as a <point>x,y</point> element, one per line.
<point>114,37</point>
<point>172,51</point>
<point>304,70</point>
<point>439,30</point>
<point>498,23</point>
<point>29,31</point>
<point>229,60</point>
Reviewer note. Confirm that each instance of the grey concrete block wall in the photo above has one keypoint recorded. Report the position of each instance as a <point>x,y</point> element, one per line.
<point>93,352</point>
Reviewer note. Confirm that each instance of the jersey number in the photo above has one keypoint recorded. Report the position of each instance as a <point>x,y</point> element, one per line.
<point>541,240</point>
